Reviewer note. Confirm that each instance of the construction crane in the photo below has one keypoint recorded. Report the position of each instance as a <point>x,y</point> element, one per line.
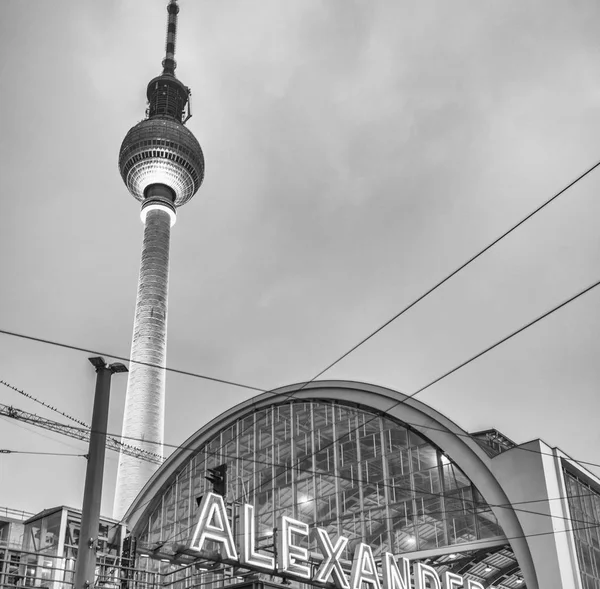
<point>78,433</point>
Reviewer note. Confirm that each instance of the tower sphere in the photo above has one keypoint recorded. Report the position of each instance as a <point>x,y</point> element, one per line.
<point>161,150</point>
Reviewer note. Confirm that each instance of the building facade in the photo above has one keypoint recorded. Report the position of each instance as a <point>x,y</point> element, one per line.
<point>40,550</point>
<point>380,469</point>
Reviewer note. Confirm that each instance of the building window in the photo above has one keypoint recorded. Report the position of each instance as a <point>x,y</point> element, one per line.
<point>584,505</point>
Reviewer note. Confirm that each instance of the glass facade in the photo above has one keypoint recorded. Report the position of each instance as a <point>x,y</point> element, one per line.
<point>346,469</point>
<point>584,504</point>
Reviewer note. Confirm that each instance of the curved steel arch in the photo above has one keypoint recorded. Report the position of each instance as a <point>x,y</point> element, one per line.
<point>428,422</point>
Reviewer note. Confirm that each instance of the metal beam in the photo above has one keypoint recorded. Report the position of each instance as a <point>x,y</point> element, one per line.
<point>78,433</point>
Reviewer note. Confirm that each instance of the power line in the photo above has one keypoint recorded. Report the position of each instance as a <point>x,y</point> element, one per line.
<point>516,332</point>
<point>28,396</point>
<point>125,359</point>
<point>478,355</point>
<point>418,516</point>
<point>489,348</point>
<point>455,272</point>
<point>28,427</point>
<point>356,346</point>
<point>448,373</point>
<point>504,339</point>
<point>5,451</point>
<point>436,380</point>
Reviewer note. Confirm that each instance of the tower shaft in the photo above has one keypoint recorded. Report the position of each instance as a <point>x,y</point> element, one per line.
<point>162,165</point>
<point>145,398</point>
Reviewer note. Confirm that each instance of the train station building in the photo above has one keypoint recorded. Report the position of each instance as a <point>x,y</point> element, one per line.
<point>335,484</point>
<point>383,471</point>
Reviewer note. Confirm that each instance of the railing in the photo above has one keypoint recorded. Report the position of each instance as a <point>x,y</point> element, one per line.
<point>20,569</point>
<point>26,569</point>
<point>15,513</point>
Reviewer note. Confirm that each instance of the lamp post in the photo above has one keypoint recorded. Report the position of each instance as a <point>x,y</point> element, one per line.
<point>92,495</point>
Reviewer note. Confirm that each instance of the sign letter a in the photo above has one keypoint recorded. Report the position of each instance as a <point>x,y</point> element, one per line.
<point>213,525</point>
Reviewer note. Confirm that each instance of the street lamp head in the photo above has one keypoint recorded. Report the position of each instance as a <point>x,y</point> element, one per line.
<point>97,362</point>
<point>117,367</point>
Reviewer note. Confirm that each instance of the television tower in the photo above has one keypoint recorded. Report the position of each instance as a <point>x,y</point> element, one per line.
<point>162,165</point>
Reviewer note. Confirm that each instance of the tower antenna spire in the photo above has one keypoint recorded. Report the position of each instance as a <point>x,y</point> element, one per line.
<point>169,64</point>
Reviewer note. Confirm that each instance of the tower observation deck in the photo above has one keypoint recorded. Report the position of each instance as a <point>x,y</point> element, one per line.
<point>162,165</point>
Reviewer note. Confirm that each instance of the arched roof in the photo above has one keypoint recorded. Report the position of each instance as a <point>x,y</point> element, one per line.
<point>429,423</point>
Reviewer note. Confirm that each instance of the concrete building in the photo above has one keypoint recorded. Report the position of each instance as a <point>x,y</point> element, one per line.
<point>162,165</point>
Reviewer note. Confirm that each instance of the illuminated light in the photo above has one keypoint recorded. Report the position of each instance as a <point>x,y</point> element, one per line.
<point>331,565</point>
<point>519,581</point>
<point>488,569</point>
<point>213,525</point>
<point>426,577</point>
<point>157,206</point>
<point>142,555</point>
<point>292,558</point>
<point>164,560</point>
<point>394,576</point>
<point>364,569</point>
<point>248,554</point>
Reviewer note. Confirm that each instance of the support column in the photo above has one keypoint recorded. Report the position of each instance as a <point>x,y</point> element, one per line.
<point>92,494</point>
<point>143,420</point>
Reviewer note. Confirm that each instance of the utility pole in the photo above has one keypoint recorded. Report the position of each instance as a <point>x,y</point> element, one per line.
<point>92,495</point>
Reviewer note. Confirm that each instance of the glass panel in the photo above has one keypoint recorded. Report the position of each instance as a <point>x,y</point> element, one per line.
<point>345,469</point>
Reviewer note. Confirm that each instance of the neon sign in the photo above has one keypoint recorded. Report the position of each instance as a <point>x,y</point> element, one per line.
<point>292,560</point>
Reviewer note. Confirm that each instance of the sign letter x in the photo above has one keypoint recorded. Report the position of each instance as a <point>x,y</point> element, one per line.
<point>331,565</point>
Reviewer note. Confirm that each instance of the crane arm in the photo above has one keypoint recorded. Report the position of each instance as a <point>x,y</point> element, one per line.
<point>78,433</point>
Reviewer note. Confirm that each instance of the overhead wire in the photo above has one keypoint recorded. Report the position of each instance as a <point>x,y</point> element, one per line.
<point>126,359</point>
<point>353,348</point>
<point>446,279</point>
<point>438,379</point>
<point>478,355</point>
<point>455,272</point>
<point>376,416</point>
<point>372,334</point>
<point>43,403</point>
<point>5,451</point>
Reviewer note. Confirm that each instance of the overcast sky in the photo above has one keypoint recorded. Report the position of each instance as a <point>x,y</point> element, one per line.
<point>356,152</point>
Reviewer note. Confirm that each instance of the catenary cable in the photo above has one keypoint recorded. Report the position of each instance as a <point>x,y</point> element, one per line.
<point>43,403</point>
<point>125,359</point>
<point>458,367</point>
<point>533,322</point>
<point>478,355</point>
<point>364,340</point>
<point>455,272</point>
<point>5,451</point>
<point>356,346</point>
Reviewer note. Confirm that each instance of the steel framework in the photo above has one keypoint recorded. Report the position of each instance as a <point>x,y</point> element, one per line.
<point>78,433</point>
